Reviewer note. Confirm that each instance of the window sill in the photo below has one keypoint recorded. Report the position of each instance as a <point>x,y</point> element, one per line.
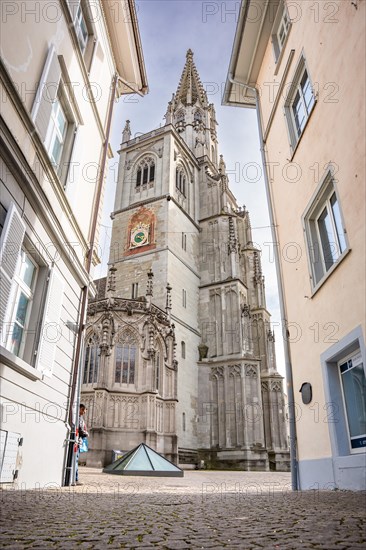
<point>329,272</point>
<point>17,364</point>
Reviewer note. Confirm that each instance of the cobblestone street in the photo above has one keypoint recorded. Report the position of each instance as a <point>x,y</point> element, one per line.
<point>202,510</point>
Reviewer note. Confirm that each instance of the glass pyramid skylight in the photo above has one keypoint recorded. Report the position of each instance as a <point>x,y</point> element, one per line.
<point>143,461</point>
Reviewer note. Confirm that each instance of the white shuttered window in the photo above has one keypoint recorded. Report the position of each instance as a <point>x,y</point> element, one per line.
<point>10,246</point>
<point>30,324</point>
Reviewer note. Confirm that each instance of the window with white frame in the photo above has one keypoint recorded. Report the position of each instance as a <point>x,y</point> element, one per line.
<point>24,284</point>
<point>55,114</point>
<point>60,133</point>
<point>324,231</point>
<point>82,18</point>
<point>353,384</point>
<point>57,132</point>
<point>81,28</point>
<point>31,295</point>
<point>299,103</point>
<point>280,31</point>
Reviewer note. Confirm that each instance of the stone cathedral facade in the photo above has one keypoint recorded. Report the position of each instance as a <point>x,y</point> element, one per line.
<point>179,352</point>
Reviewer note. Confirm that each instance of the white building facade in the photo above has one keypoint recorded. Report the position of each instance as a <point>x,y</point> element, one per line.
<point>62,67</point>
<point>303,67</point>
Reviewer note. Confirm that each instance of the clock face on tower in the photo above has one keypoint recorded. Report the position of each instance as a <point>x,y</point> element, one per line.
<point>140,235</point>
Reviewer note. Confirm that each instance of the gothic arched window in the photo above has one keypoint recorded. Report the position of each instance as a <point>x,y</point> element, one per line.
<point>91,361</point>
<point>125,360</point>
<point>198,116</point>
<point>145,173</point>
<point>180,180</point>
<point>180,121</point>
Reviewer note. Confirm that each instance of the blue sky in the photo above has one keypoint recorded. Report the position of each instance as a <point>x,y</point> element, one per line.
<point>168,29</point>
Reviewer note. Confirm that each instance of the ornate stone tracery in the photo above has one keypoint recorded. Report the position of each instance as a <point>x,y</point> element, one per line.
<point>229,393</point>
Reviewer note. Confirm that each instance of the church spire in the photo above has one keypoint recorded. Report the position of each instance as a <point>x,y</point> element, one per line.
<point>190,88</point>
<point>192,115</point>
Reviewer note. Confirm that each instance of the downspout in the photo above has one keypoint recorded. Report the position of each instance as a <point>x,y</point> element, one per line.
<point>288,364</point>
<point>85,290</point>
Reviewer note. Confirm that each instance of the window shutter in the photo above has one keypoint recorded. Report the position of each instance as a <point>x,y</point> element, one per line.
<point>51,329</point>
<point>46,93</point>
<point>73,8</point>
<point>10,244</point>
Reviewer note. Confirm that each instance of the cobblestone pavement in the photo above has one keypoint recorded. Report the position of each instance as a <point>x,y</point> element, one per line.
<point>210,510</point>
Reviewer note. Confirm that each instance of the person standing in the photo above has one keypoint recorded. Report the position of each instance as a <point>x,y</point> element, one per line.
<point>82,434</point>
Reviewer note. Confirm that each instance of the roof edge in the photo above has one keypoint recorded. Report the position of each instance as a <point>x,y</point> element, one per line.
<point>250,42</point>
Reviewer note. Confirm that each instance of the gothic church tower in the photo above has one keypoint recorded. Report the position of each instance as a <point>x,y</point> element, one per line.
<point>176,218</point>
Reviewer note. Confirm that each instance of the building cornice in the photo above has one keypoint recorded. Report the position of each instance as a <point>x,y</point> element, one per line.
<point>224,282</point>
<point>153,134</point>
<point>186,325</point>
<point>145,202</point>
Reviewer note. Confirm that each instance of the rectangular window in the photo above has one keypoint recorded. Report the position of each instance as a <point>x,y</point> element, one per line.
<point>125,364</point>
<point>184,241</point>
<point>81,28</point>
<point>91,363</point>
<point>157,371</point>
<point>57,132</point>
<point>280,31</point>
<point>138,178</point>
<point>56,114</point>
<point>302,103</point>
<point>183,345</point>
<point>184,298</point>
<point>61,132</point>
<point>324,231</point>
<point>31,297</point>
<point>145,175</point>
<point>353,383</point>
<point>82,17</point>
<point>118,360</point>
<point>135,291</point>
<point>299,103</point>
<point>24,284</point>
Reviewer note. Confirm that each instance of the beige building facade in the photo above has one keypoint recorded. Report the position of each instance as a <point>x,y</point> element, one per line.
<point>62,66</point>
<point>302,66</point>
<point>176,216</point>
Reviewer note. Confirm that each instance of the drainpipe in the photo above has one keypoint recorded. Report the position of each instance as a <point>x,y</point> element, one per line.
<point>288,365</point>
<point>84,296</point>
